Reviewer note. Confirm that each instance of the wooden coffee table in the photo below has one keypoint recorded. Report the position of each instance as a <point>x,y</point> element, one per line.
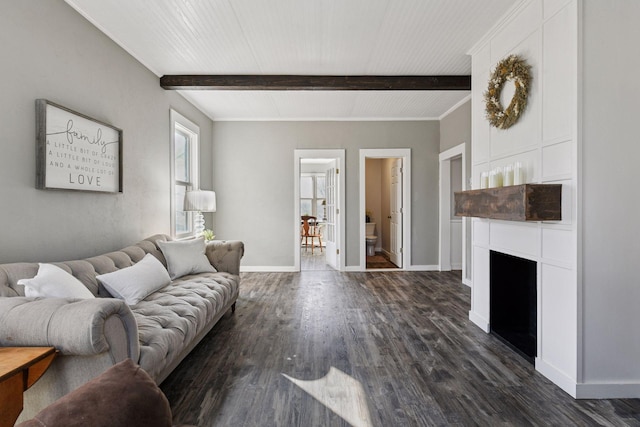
<point>20,368</point>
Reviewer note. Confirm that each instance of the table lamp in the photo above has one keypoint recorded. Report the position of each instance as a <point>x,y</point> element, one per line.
<point>199,201</point>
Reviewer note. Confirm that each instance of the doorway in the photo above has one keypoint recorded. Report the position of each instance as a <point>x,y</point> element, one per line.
<point>319,195</point>
<point>454,248</point>
<point>385,188</point>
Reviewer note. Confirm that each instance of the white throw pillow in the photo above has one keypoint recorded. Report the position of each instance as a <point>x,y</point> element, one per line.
<point>186,257</point>
<point>53,282</point>
<point>135,283</point>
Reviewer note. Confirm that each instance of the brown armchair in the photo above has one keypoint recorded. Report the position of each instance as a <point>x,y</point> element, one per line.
<point>122,396</point>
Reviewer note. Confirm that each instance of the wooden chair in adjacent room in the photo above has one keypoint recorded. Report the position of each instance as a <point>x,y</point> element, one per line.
<point>310,229</point>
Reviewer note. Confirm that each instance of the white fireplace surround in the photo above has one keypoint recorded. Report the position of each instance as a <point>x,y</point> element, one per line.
<point>556,308</point>
<point>545,142</point>
<point>578,131</point>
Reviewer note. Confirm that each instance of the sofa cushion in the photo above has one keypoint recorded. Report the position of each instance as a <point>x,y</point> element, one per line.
<point>112,261</point>
<point>123,395</point>
<point>135,283</point>
<point>168,320</point>
<point>186,257</point>
<point>53,282</point>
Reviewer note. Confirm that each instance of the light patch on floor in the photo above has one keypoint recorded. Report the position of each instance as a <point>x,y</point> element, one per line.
<point>340,393</point>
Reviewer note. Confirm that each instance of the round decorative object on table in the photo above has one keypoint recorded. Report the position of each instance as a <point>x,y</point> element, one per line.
<point>515,69</point>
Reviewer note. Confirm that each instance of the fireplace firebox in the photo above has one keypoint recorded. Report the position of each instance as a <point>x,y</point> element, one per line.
<point>513,302</point>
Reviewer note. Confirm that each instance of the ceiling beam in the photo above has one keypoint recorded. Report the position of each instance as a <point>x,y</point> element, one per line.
<point>284,82</point>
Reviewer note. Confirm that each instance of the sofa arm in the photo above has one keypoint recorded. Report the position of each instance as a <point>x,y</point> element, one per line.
<point>225,255</point>
<point>73,327</point>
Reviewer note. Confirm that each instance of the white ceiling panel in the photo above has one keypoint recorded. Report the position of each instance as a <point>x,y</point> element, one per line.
<point>234,105</point>
<point>318,105</point>
<point>325,105</point>
<point>414,105</point>
<point>307,37</point>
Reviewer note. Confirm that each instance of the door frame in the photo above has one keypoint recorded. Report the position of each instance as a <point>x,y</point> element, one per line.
<point>339,156</point>
<point>386,153</point>
<point>444,256</point>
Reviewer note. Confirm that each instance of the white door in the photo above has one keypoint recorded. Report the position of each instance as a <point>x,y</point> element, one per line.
<point>396,213</point>
<point>329,232</point>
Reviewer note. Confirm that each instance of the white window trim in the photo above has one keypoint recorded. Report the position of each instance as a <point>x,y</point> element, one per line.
<point>180,122</point>
<point>314,200</point>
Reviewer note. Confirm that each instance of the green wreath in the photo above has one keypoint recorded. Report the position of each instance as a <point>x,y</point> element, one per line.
<point>515,69</point>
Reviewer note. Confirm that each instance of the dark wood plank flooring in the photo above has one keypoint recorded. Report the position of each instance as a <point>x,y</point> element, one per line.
<point>313,261</point>
<point>404,337</point>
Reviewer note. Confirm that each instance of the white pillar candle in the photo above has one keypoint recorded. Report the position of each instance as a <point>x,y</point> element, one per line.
<point>484,180</point>
<point>519,174</point>
<point>492,179</point>
<point>498,177</point>
<point>508,175</point>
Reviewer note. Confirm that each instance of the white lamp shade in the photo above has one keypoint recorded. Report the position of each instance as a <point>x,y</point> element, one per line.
<point>200,200</point>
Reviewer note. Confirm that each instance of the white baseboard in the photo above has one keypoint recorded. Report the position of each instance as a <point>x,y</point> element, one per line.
<point>556,376</point>
<point>568,384</point>
<point>608,391</point>
<point>356,268</point>
<point>349,268</point>
<point>267,269</point>
<point>423,268</point>
<point>467,282</point>
<point>587,390</point>
<point>480,321</point>
<point>456,266</point>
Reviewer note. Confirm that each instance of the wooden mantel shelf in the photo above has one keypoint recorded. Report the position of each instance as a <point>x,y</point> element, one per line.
<point>527,202</point>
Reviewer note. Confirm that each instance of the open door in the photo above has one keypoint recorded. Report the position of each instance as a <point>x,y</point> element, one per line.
<point>398,216</point>
<point>331,195</point>
<point>325,205</point>
<point>395,255</point>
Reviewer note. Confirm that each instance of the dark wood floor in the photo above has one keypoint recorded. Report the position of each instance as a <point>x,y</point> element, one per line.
<point>317,261</point>
<point>403,341</point>
<point>313,261</point>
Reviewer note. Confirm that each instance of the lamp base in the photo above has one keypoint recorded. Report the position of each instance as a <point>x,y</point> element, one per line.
<point>198,224</point>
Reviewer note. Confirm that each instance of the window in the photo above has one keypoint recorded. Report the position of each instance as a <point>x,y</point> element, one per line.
<point>312,195</point>
<point>184,171</point>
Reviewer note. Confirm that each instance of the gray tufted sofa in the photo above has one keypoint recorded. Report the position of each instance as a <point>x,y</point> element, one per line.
<point>92,335</point>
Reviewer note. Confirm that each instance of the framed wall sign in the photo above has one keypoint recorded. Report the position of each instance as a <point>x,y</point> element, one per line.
<point>76,152</point>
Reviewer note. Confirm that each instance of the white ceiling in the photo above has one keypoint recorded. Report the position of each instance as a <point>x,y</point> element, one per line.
<point>308,37</point>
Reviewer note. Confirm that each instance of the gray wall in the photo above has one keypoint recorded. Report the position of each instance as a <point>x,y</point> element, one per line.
<point>610,175</point>
<point>455,128</point>
<point>49,51</point>
<point>386,172</point>
<point>373,193</point>
<point>254,172</point>
<point>375,200</point>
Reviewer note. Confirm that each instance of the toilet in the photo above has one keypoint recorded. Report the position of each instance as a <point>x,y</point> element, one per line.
<point>371,238</point>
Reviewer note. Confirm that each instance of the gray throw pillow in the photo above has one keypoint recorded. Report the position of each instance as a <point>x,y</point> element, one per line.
<point>185,257</point>
<point>135,283</point>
